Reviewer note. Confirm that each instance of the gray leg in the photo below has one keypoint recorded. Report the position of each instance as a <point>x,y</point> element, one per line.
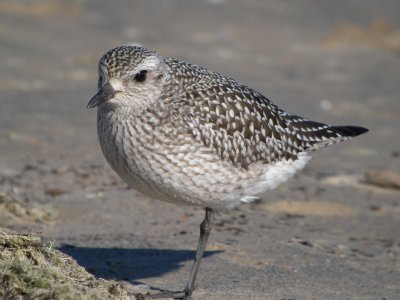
<point>205,230</point>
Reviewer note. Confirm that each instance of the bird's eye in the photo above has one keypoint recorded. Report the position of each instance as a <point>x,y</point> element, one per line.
<point>141,76</point>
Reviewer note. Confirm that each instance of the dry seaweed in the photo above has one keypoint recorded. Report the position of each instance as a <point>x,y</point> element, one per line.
<point>31,269</point>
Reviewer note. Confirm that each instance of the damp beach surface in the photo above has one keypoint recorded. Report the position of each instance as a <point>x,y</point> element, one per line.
<point>331,232</point>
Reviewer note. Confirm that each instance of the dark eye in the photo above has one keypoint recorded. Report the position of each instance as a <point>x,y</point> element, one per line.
<point>141,76</point>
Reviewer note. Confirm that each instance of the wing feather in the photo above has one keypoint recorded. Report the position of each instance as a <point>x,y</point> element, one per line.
<point>242,125</point>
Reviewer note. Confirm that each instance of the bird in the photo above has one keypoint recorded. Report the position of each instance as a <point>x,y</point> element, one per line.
<point>187,135</point>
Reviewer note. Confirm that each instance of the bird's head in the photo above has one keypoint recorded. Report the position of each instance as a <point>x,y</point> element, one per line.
<point>129,76</point>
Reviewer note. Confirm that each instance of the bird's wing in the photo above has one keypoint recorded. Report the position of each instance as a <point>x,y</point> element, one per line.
<point>243,126</point>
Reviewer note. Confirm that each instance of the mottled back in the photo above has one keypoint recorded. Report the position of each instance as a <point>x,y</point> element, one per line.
<point>242,125</point>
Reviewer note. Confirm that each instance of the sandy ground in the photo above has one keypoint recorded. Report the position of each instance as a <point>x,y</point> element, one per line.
<point>325,234</point>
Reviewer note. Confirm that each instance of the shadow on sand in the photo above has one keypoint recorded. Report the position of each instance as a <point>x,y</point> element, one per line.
<point>131,265</point>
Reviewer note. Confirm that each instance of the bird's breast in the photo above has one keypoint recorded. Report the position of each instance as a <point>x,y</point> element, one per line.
<point>163,159</point>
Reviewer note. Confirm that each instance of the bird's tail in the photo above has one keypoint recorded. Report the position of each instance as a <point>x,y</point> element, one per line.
<point>331,135</point>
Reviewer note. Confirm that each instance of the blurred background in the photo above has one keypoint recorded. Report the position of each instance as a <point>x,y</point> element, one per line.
<point>329,233</point>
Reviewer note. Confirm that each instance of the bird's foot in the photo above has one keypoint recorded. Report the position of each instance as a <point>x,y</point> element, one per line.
<point>176,295</point>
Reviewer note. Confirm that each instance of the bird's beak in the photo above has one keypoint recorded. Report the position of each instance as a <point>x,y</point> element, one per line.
<point>105,93</point>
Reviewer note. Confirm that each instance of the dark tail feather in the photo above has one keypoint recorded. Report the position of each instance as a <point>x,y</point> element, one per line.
<point>314,135</point>
<point>332,135</point>
<point>349,131</point>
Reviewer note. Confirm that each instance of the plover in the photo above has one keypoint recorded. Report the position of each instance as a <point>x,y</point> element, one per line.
<point>184,134</point>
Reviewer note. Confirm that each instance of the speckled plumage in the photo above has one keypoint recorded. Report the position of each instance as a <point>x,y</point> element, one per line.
<point>192,136</point>
<point>187,135</point>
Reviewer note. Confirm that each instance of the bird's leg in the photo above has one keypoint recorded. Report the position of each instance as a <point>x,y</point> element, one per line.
<point>205,230</point>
